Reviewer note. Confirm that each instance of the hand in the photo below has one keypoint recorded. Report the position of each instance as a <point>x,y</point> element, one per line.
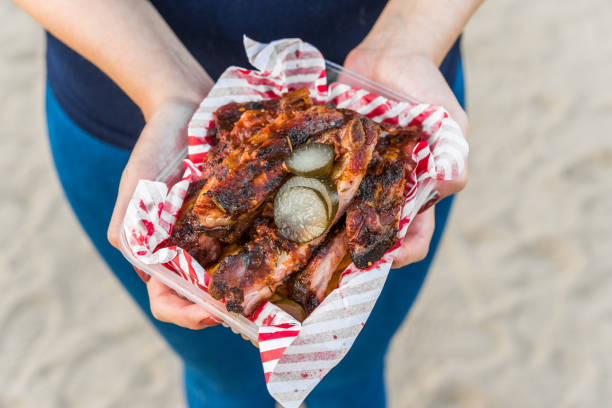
<point>165,125</point>
<point>415,75</point>
<point>167,306</point>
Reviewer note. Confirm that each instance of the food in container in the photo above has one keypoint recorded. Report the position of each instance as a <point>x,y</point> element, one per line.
<point>438,152</point>
<point>363,169</point>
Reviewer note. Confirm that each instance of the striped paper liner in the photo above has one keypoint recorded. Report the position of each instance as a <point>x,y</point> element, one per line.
<point>296,356</point>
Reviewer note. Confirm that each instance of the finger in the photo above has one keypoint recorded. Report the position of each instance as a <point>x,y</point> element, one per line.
<point>127,185</point>
<point>144,276</point>
<point>415,244</point>
<point>168,306</point>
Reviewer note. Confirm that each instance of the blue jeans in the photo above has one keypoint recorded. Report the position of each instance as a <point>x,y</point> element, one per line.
<point>220,368</point>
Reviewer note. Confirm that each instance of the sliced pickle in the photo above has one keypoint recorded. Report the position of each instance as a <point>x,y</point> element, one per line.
<point>311,160</point>
<point>333,196</point>
<point>300,213</point>
<point>323,185</point>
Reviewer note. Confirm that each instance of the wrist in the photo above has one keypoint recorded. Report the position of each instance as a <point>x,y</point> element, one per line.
<point>186,87</point>
<point>409,37</point>
<point>419,27</point>
<point>383,64</point>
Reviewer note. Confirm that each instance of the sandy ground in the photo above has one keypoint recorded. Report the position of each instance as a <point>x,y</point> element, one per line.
<point>516,311</point>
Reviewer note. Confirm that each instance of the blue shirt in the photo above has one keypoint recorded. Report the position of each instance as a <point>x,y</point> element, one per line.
<point>212,31</point>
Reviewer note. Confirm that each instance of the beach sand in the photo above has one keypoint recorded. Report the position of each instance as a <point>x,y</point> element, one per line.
<point>516,310</point>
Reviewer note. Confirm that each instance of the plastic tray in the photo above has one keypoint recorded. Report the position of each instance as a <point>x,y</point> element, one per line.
<point>173,172</point>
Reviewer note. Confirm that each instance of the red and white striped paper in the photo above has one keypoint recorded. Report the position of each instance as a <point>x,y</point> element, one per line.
<point>296,356</point>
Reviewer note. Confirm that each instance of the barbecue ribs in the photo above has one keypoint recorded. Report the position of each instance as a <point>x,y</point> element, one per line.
<point>308,286</point>
<point>236,124</point>
<point>372,219</point>
<point>247,279</point>
<point>226,221</point>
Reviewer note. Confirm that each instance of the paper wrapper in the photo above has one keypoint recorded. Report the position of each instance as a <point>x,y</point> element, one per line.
<point>296,356</point>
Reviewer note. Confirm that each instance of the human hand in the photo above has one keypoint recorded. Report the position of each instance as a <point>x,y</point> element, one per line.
<point>416,75</point>
<point>167,306</point>
<point>166,125</point>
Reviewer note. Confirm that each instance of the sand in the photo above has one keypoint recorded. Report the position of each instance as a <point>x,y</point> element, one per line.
<point>516,311</point>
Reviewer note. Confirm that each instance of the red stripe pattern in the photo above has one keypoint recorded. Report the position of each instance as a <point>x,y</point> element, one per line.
<point>296,356</point>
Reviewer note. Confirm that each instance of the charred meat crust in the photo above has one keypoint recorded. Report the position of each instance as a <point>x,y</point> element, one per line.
<point>263,265</point>
<point>244,189</point>
<point>376,249</point>
<point>260,170</point>
<point>373,217</point>
<point>227,116</point>
<point>236,123</point>
<point>204,249</point>
<point>244,170</point>
<point>252,267</point>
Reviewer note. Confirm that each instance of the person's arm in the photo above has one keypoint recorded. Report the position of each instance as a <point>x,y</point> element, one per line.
<point>403,51</point>
<point>425,27</point>
<point>134,46</point>
<point>131,43</point>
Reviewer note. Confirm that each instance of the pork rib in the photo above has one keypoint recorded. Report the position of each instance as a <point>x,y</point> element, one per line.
<point>258,171</point>
<point>372,219</point>
<point>203,248</point>
<point>250,277</point>
<point>308,286</point>
<point>236,124</point>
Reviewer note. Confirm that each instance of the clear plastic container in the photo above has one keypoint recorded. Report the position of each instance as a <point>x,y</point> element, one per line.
<point>173,172</point>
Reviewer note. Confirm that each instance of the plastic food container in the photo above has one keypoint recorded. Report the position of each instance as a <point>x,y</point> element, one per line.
<point>172,173</point>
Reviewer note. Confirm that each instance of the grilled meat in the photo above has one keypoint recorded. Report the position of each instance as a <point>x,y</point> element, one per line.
<point>372,219</point>
<point>236,124</point>
<point>244,170</point>
<point>228,116</point>
<point>353,151</point>
<point>203,248</point>
<point>255,175</point>
<point>250,277</point>
<point>308,286</point>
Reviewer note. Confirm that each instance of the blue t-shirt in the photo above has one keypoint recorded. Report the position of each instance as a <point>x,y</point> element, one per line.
<point>212,31</point>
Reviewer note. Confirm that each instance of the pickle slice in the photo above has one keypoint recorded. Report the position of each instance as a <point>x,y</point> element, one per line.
<point>333,195</point>
<point>300,213</point>
<point>323,185</point>
<point>311,160</point>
